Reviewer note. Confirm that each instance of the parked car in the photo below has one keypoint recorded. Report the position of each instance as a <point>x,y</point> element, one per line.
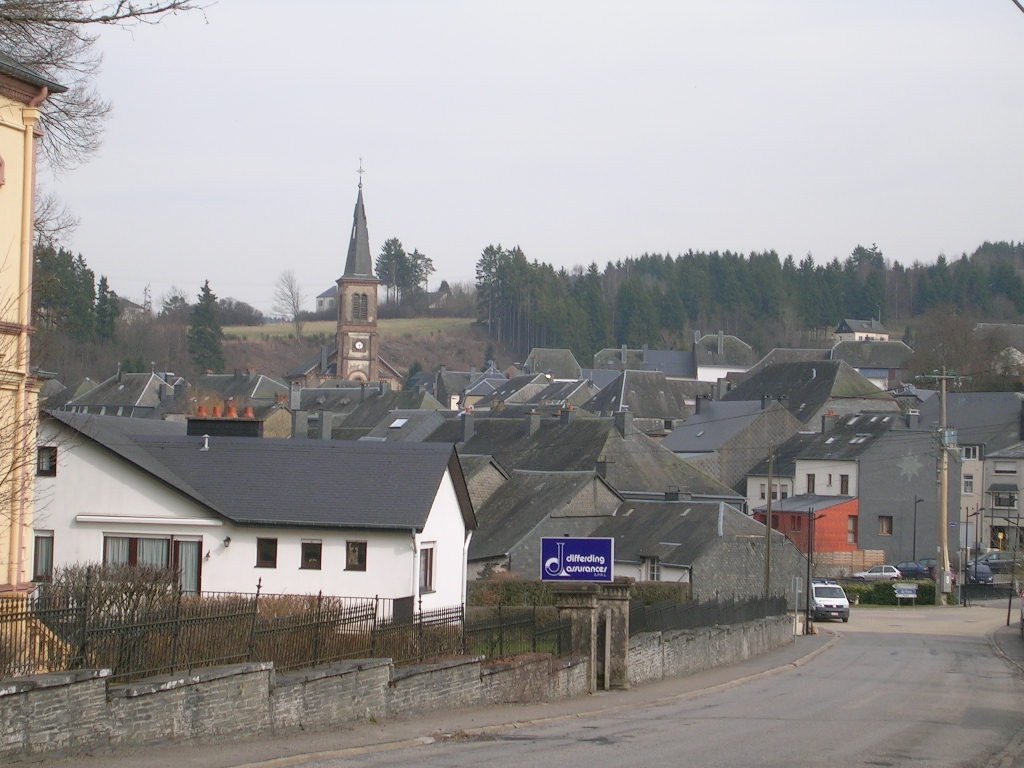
<point>879,573</point>
<point>828,601</point>
<point>912,569</point>
<point>979,573</point>
<point>930,562</point>
<point>1002,562</point>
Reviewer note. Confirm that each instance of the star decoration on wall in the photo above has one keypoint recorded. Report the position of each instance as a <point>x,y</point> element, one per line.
<point>910,466</point>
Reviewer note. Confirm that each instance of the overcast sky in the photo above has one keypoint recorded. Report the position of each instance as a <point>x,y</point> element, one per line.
<point>583,131</point>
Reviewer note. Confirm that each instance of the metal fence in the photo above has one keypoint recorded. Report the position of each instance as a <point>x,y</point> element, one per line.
<point>183,632</point>
<point>669,615</point>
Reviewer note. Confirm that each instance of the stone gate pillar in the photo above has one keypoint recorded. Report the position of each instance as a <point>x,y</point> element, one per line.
<point>614,609</point>
<point>578,602</point>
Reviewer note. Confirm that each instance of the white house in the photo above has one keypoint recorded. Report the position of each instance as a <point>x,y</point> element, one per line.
<point>354,519</point>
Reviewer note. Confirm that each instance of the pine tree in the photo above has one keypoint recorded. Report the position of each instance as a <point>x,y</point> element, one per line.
<point>204,333</point>
<point>107,310</point>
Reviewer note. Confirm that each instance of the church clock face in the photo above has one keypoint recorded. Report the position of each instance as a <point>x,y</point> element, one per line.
<point>358,345</point>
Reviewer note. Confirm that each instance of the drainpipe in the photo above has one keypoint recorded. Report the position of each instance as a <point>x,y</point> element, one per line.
<point>20,512</point>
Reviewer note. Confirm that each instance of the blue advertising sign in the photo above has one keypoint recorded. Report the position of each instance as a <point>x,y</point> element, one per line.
<point>569,559</point>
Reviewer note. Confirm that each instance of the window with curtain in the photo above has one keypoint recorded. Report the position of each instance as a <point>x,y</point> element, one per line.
<point>181,555</point>
<point>42,566</point>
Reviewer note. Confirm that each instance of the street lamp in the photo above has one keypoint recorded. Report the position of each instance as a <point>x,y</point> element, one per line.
<point>914,545</point>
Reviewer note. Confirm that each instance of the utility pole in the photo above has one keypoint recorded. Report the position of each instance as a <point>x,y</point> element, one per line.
<point>947,442</point>
<point>768,534</point>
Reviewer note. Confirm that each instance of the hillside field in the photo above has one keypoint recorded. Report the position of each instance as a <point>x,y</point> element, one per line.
<point>457,342</point>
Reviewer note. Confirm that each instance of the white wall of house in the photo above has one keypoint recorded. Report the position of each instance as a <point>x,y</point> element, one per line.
<point>757,489</point>
<point>444,531</point>
<point>96,494</point>
<point>641,572</point>
<point>712,373</point>
<point>827,477</point>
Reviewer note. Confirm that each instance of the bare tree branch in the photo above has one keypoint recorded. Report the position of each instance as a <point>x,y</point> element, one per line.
<point>288,298</point>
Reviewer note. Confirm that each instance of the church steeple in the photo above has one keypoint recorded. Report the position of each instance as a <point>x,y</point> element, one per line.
<point>357,341</point>
<point>359,263</point>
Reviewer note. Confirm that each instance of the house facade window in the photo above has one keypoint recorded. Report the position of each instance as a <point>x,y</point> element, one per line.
<point>851,529</point>
<point>42,563</point>
<point>810,482</point>
<point>968,483</point>
<point>312,552</point>
<point>885,525</point>
<point>764,490</point>
<point>46,461</point>
<point>179,555</point>
<point>796,523</point>
<point>969,452</point>
<point>355,555</point>
<point>653,567</point>
<point>1005,468</point>
<point>266,553</point>
<point>1004,500</point>
<point>427,567</point>
<point>844,485</point>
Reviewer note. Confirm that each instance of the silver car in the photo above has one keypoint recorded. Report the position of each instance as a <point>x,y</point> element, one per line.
<point>879,573</point>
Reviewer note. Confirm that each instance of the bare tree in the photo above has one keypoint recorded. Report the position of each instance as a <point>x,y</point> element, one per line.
<point>288,298</point>
<point>55,38</point>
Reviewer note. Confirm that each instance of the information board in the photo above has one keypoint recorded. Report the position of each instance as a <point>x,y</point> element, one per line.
<point>570,559</point>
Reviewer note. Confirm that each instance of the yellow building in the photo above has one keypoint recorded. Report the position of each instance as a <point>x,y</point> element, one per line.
<point>22,91</point>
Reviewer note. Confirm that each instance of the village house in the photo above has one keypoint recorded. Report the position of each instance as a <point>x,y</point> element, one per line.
<point>231,513</point>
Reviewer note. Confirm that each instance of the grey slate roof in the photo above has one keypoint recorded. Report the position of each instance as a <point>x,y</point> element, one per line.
<point>142,392</point>
<point>243,387</point>
<point>716,424</point>
<point>519,389</point>
<point>406,426</point>
<point>646,394</point>
<point>523,501</point>
<point>993,420</point>
<point>807,502</point>
<point>848,325</point>
<point>850,437</point>
<point>359,262</point>
<point>669,361</point>
<point>873,354</point>
<point>273,482</point>
<point>723,349</point>
<point>633,462</point>
<point>557,363</point>
<point>787,355</point>
<point>676,532</point>
<point>805,387</point>
<point>13,68</point>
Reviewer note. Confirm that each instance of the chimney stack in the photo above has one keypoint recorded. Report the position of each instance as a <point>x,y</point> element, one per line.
<point>624,423</point>
<point>467,425</point>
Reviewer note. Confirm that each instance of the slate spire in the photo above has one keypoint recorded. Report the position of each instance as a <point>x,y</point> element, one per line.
<point>359,263</point>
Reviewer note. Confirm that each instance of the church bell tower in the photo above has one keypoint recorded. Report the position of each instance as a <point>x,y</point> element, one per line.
<point>357,304</point>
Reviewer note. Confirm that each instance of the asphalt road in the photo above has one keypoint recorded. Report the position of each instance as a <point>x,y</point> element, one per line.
<point>916,686</point>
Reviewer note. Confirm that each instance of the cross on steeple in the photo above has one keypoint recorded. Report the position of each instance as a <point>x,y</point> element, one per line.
<point>360,172</point>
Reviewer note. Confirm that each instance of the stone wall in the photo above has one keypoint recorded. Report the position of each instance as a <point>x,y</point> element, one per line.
<point>659,655</point>
<point>78,712</point>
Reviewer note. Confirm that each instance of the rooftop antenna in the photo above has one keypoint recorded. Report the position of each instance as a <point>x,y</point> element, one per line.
<point>206,443</point>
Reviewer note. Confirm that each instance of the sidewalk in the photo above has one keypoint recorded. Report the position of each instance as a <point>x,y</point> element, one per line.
<point>278,751</point>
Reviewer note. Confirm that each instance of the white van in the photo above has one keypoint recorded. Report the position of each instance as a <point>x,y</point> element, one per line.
<point>828,601</point>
